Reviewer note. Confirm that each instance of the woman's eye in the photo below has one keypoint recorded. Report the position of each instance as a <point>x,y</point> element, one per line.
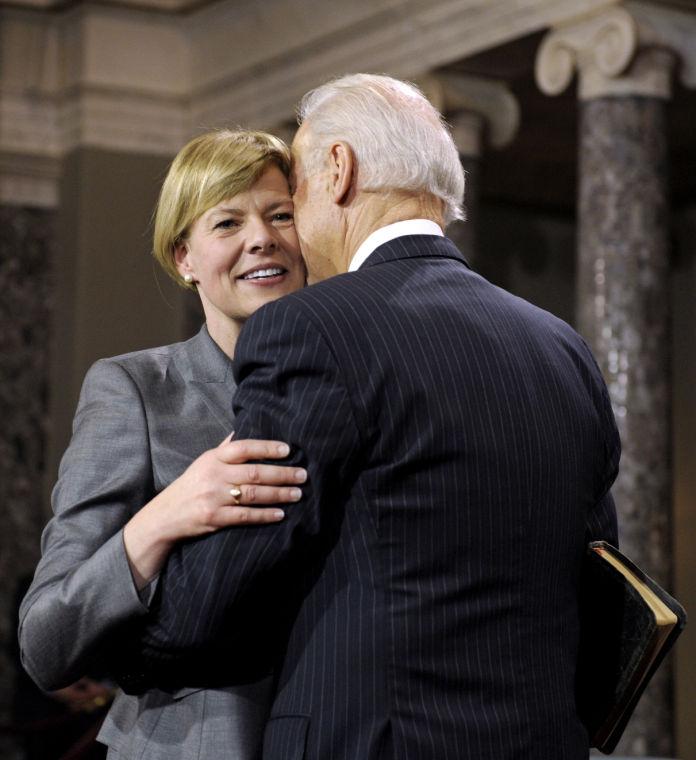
<point>226,224</point>
<point>285,216</point>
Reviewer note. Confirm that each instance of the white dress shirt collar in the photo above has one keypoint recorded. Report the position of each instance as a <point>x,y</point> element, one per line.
<point>391,231</point>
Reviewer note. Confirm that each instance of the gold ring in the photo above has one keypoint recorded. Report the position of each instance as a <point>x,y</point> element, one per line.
<point>235,493</point>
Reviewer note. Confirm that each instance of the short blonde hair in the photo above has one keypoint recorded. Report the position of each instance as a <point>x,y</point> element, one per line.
<point>211,168</point>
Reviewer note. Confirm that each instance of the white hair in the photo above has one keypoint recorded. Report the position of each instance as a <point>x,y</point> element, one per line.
<point>400,140</point>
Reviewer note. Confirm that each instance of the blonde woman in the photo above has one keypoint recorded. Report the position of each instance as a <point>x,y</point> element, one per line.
<point>151,461</point>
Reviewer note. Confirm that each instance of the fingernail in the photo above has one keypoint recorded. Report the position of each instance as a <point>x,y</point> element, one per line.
<point>278,514</point>
<point>300,475</point>
<point>295,494</point>
<point>283,449</point>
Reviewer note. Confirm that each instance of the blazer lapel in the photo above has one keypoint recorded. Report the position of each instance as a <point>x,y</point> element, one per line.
<point>203,364</point>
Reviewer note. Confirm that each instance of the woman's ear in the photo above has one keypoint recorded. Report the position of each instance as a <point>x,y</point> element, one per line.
<point>342,172</point>
<point>183,262</point>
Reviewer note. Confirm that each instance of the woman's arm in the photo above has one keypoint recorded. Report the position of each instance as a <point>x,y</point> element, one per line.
<point>200,501</point>
<point>83,586</point>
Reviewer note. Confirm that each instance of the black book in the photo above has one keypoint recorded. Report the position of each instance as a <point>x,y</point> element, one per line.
<point>628,623</point>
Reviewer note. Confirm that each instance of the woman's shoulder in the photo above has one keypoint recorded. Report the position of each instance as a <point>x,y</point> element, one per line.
<point>148,360</point>
<point>145,357</point>
<point>146,366</point>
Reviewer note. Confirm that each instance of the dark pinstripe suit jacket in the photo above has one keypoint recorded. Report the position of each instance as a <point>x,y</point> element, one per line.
<point>423,594</point>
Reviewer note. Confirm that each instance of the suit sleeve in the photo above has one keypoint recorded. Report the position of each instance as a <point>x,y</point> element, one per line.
<point>601,521</point>
<point>290,389</point>
<point>83,588</point>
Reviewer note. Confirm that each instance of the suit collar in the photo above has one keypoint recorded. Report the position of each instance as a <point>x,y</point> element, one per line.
<point>202,360</point>
<point>415,246</point>
<point>390,232</point>
<point>204,365</point>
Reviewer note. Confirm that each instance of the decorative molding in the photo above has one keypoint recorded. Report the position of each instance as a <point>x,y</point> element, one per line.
<point>125,122</point>
<point>51,126</point>
<point>468,130</point>
<point>36,131</point>
<point>28,181</point>
<point>132,51</point>
<point>627,50</point>
<point>30,148</point>
<point>171,6</point>
<point>490,99</point>
<point>30,124</point>
<point>120,77</point>
<point>422,36</point>
<point>600,46</point>
<point>670,28</point>
<point>475,108</point>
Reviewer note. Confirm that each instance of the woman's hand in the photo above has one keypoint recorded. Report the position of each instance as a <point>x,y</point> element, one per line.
<point>201,501</point>
<point>218,490</point>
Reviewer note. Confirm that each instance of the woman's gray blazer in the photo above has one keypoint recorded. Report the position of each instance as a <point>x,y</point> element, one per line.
<point>141,420</point>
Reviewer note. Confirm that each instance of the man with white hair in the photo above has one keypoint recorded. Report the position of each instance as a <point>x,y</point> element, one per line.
<point>460,446</point>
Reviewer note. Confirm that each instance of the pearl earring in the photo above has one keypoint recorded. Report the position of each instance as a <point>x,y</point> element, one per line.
<point>188,279</point>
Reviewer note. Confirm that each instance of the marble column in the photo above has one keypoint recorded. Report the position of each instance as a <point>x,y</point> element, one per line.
<point>623,310</point>
<point>623,287</point>
<point>26,277</point>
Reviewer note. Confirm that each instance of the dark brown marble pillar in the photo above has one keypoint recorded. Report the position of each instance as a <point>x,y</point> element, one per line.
<point>26,264</point>
<point>623,300</point>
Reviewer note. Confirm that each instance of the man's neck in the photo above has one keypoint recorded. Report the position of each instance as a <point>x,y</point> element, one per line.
<point>372,211</point>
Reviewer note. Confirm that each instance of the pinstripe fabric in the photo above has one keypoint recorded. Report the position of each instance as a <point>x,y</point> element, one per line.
<point>421,598</point>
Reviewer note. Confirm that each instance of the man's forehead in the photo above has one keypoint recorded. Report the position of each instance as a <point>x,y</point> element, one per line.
<point>296,150</point>
<point>300,140</point>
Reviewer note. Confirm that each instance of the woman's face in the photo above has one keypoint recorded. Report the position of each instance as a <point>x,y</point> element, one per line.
<point>244,253</point>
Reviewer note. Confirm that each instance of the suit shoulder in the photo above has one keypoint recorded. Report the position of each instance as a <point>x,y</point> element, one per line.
<point>145,359</point>
<point>536,315</point>
<point>552,332</point>
<point>139,369</point>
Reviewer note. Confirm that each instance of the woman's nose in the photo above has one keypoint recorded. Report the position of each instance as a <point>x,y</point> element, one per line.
<point>261,237</point>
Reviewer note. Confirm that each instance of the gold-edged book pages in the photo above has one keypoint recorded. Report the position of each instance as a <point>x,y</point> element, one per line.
<point>628,624</point>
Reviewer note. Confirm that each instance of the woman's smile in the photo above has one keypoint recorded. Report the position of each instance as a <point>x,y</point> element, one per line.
<point>243,253</point>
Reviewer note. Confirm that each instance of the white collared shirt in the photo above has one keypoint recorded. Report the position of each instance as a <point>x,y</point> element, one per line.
<point>391,231</point>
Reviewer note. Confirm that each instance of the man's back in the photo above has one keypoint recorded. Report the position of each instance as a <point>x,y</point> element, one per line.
<point>460,445</point>
<point>439,617</point>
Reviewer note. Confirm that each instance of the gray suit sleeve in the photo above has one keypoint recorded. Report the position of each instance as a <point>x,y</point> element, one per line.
<point>83,586</point>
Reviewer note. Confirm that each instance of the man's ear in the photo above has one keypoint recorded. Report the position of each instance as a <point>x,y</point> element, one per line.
<point>342,166</point>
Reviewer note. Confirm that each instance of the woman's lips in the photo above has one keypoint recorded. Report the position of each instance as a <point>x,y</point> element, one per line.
<point>265,277</point>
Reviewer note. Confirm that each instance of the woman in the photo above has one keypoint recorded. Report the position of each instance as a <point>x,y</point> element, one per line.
<point>145,468</point>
